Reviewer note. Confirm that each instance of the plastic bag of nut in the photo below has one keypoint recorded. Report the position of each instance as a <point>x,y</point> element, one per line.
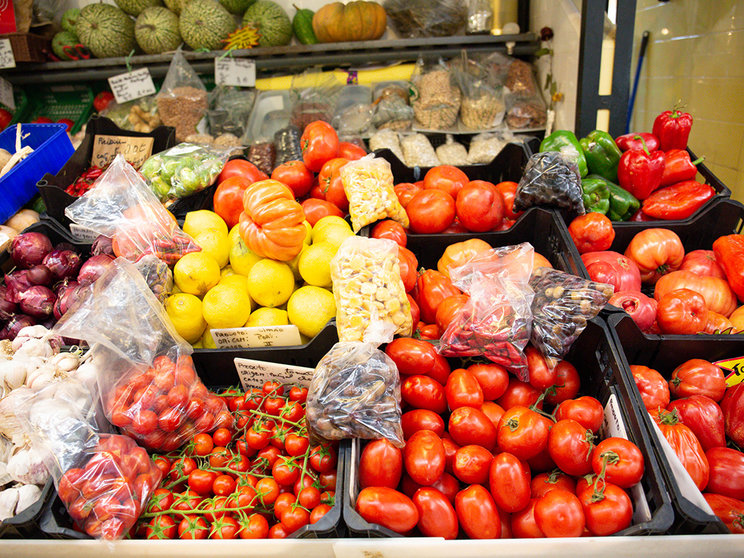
<point>562,306</point>
<point>313,96</point>
<point>482,105</point>
<point>371,301</point>
<point>434,98</point>
<point>182,101</point>
<point>525,108</point>
<point>550,178</point>
<point>355,393</point>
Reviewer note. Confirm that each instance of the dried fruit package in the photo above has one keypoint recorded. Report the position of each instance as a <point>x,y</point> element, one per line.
<point>550,178</point>
<point>122,207</point>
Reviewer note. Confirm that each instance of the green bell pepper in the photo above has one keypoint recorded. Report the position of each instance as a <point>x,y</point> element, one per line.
<point>596,195</point>
<point>602,154</point>
<point>623,204</point>
<point>565,141</point>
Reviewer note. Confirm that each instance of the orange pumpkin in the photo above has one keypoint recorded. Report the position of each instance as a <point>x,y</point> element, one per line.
<point>355,21</point>
<point>272,223</point>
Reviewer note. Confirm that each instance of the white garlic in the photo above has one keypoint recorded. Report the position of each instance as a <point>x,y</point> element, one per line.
<point>28,494</point>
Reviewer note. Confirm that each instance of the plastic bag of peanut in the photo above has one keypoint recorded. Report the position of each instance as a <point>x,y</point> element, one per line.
<point>368,184</point>
<point>371,301</point>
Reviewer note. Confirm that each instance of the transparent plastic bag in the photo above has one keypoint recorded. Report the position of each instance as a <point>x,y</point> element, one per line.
<point>434,97</point>
<point>525,114</point>
<point>140,115</point>
<point>182,100</point>
<point>484,148</point>
<point>122,207</point>
<point>313,95</point>
<point>550,178</point>
<point>146,361</point>
<point>263,155</point>
<point>391,108</point>
<point>368,184</point>
<point>287,145</point>
<point>482,106</point>
<point>371,301</point>
<point>562,306</point>
<point>452,153</point>
<point>355,393</point>
<point>229,110</point>
<point>426,18</point>
<point>157,275</point>
<point>387,139</point>
<point>418,151</point>
<point>184,169</point>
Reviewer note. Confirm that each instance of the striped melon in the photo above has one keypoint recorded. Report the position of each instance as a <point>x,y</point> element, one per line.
<point>204,23</point>
<point>236,6</point>
<point>69,18</point>
<point>61,40</point>
<point>135,7</point>
<point>272,22</point>
<point>105,30</point>
<point>156,30</point>
<point>175,6</point>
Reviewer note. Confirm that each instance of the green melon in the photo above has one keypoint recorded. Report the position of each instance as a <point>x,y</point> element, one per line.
<point>135,7</point>
<point>105,30</point>
<point>272,22</point>
<point>69,18</point>
<point>204,23</point>
<point>156,30</point>
<point>175,6</point>
<point>236,6</point>
<point>61,40</point>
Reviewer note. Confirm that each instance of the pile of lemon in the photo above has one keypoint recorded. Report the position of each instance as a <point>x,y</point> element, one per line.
<point>226,285</point>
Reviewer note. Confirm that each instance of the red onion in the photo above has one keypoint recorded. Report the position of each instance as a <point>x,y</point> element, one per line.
<point>38,301</point>
<point>60,286</point>
<point>63,263</point>
<point>16,323</point>
<point>94,268</point>
<point>29,249</point>
<point>39,275</point>
<point>48,323</point>
<point>102,245</point>
<point>17,283</point>
<point>6,306</point>
<point>67,298</point>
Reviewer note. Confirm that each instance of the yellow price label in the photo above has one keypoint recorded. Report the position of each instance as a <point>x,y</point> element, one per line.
<point>734,370</point>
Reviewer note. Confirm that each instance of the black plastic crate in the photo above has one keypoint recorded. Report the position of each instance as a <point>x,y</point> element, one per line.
<point>664,355</point>
<point>596,358</point>
<point>56,234</point>
<point>25,525</point>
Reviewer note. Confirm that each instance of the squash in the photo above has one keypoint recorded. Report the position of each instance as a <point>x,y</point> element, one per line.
<point>356,21</point>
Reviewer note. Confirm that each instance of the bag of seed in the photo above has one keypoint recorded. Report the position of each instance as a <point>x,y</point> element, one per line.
<point>182,101</point>
<point>434,97</point>
<point>482,105</point>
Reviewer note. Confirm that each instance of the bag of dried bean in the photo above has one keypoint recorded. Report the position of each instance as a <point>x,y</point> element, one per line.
<point>434,97</point>
<point>482,105</point>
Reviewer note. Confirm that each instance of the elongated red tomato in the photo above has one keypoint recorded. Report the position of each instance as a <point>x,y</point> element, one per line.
<point>726,472</point>
<point>468,425</point>
<point>621,461</point>
<point>421,419</point>
<point>541,377</point>
<point>729,510</point>
<point>652,386</point>
<point>585,410</point>
<point>463,390</point>
<point>381,464</point>
<point>437,517</point>
<point>477,512</point>
<point>570,445</point>
<point>559,514</point>
<point>606,512</point>
<point>422,392</point>
<point>524,525</point>
<point>493,379</point>
<point>471,464</point>
<point>424,457</point>
<point>545,482</point>
<point>414,356</point>
<point>509,480</point>
<point>522,432</point>
<point>387,507</point>
<point>567,383</point>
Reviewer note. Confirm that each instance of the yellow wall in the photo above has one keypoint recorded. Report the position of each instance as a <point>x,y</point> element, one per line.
<point>696,53</point>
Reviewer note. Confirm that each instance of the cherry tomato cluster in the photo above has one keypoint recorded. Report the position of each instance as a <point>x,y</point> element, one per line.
<point>695,412</point>
<point>165,405</point>
<point>106,495</point>
<point>483,457</point>
<point>260,478</point>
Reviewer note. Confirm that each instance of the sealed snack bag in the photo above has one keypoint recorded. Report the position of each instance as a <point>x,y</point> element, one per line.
<point>122,207</point>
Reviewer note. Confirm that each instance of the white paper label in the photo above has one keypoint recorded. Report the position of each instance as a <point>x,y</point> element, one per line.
<point>6,94</point>
<point>254,337</point>
<point>254,373</point>
<point>6,54</point>
<point>131,85</point>
<point>238,72</point>
<point>83,234</point>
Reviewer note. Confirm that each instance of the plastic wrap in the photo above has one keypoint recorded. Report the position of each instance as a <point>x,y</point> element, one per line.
<point>392,110</point>
<point>368,184</point>
<point>355,393</point>
<point>387,139</point>
<point>182,100</point>
<point>482,105</point>
<point>229,110</point>
<point>525,108</point>
<point>313,96</point>
<point>562,306</point>
<point>157,275</point>
<point>122,207</point>
<point>183,169</point>
<point>371,301</point>
<point>263,155</point>
<point>434,97</point>
<point>140,115</point>
<point>287,145</point>
<point>484,148</point>
<point>418,151</point>
<point>426,18</point>
<point>452,153</point>
<point>550,178</point>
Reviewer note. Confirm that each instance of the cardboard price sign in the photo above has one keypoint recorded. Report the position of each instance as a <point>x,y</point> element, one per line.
<point>238,72</point>
<point>131,85</point>
<point>7,60</point>
<point>252,337</point>
<point>135,150</point>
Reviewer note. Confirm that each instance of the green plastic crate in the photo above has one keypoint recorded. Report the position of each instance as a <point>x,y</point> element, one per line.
<point>63,101</point>
<point>22,106</point>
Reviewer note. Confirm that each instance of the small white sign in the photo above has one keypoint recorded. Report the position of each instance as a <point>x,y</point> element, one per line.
<point>6,54</point>
<point>254,373</point>
<point>131,85</point>
<point>6,94</point>
<point>83,234</point>
<point>255,337</point>
<point>238,72</point>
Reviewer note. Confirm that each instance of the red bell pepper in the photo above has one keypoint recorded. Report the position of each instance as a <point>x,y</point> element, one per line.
<point>672,127</point>
<point>678,167</point>
<point>640,172</point>
<point>732,406</point>
<point>677,201</point>
<point>640,217</point>
<point>634,142</point>
<point>729,251</point>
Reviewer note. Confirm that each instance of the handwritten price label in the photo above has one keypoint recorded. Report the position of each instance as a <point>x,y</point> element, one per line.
<point>131,85</point>
<point>238,72</point>
<point>254,373</point>
<point>134,150</point>
<point>83,234</point>
<point>254,337</point>
<point>6,54</point>
<point>6,94</point>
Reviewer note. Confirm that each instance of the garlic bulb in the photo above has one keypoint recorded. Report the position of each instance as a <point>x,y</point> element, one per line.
<point>28,495</point>
<point>8,502</point>
<point>27,465</point>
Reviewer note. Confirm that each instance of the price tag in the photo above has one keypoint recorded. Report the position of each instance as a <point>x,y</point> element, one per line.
<point>254,337</point>
<point>6,54</point>
<point>734,370</point>
<point>134,150</point>
<point>131,85</point>
<point>254,373</point>
<point>6,94</point>
<point>83,234</point>
<point>239,72</point>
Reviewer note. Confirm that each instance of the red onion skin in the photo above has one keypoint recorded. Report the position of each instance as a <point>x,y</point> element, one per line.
<point>94,268</point>
<point>29,249</point>
<point>6,306</point>
<point>17,283</point>
<point>38,301</point>
<point>63,263</point>
<point>68,298</point>
<point>102,245</point>
<point>39,275</point>
<point>66,283</point>
<point>16,323</point>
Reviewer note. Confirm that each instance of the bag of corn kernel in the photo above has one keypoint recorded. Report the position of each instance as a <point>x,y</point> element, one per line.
<point>368,184</point>
<point>371,301</point>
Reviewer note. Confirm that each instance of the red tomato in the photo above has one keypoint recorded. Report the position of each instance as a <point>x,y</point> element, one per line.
<point>316,209</point>
<point>471,464</point>
<point>415,312</point>
<point>422,392</point>
<point>193,528</point>
<point>541,377</point>
<point>424,457</point>
<point>428,332</point>
<point>518,394</point>
<point>318,512</point>
<point>319,143</point>
<point>295,175</point>
<point>381,464</point>
<point>413,356</point>
<point>606,512</point>
<point>323,458</point>
<point>437,517</point>
<point>477,512</point>
<point>509,480</point>
<point>161,527</point>
<point>387,507</point>
<point>350,151</point>
<point>685,445</point>
<point>570,445</point>
<point>200,481</point>
<point>492,378</point>
<point>652,386</point>
<point>392,230</point>
<point>508,191</point>
<point>468,425</point>
<point>449,309</point>
<point>726,472</point>
<point>66,121</point>
<point>408,265</point>
<point>559,514</point>
<point>592,232</point>
<point>294,518</point>
<point>523,523</point>
<point>545,482</point>
<point>698,377</point>
<point>463,390</point>
<point>433,288</point>
<point>42,120</point>
<point>656,252</point>
<point>493,411</point>
<point>717,293</point>
<point>479,206</point>
<point>242,168</point>
<point>278,531</point>
<point>450,449</point>
<point>585,410</point>
<point>704,417</point>
<point>405,192</point>
<point>702,263</point>
<point>522,432</point>
<point>447,485</point>
<point>330,183</point>
<point>421,419</point>
<point>447,178</point>
<point>729,510</point>
<point>567,383</point>
<point>100,101</point>
<point>614,269</point>
<point>638,306</point>
<point>430,211</point>
<point>682,312</point>
<point>732,406</point>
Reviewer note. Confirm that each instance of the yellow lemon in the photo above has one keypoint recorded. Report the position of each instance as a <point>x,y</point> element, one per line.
<point>207,341</point>
<point>240,281</point>
<point>242,258</point>
<point>264,317</point>
<point>270,283</point>
<point>197,345</point>
<point>294,264</point>
<point>315,264</point>
<point>185,311</point>
<point>227,271</point>
<point>329,221</point>
<point>308,233</point>
<point>310,308</point>
<point>196,273</point>
<point>214,243</point>
<point>226,305</point>
<point>201,220</point>
<point>334,235</point>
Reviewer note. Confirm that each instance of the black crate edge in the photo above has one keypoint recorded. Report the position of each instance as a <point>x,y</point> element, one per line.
<point>26,525</point>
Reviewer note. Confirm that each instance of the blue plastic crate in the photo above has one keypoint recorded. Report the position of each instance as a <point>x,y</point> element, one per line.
<point>52,148</point>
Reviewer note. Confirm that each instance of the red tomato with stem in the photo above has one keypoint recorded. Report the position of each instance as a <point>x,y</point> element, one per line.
<point>319,143</point>
<point>471,464</point>
<point>387,507</point>
<point>585,410</point>
<point>430,211</point>
<point>477,513</point>
<point>330,183</point>
<point>295,175</point>
<point>656,252</point>
<point>559,513</point>
<point>592,232</point>
<point>350,151</point>
<point>704,417</point>
<point>729,510</point>
<point>570,445</point>
<point>492,378</point>
<point>193,528</point>
<point>437,517</point>
<point>392,230</point>
<point>702,263</point>
<point>543,483</point>
<point>447,178</point>
<point>682,312</point>
<point>698,377</point>
<point>424,457</point>
<point>726,472</point>
<point>523,432</point>
<point>519,393</point>
<point>242,168</point>
<point>316,209</point>
<point>479,206</point>
<point>381,464</point>
<point>421,419</point>
<point>652,386</point>
<point>423,392</point>
<point>509,480</point>
<point>463,390</point>
<point>685,445</point>
<point>468,425</point>
<point>606,512</point>
<point>255,526</point>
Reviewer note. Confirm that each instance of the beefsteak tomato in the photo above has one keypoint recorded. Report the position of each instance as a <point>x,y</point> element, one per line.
<point>652,387</point>
<point>729,510</point>
<point>614,269</point>
<point>682,312</point>
<point>479,206</point>
<point>685,444</point>
<point>592,232</point>
<point>698,377</point>
<point>732,406</point>
<point>703,263</point>
<point>656,252</point>
<point>717,293</point>
<point>704,417</point>
<point>726,472</point>
<point>447,178</point>
<point>460,253</point>
<point>638,306</point>
<point>430,211</point>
